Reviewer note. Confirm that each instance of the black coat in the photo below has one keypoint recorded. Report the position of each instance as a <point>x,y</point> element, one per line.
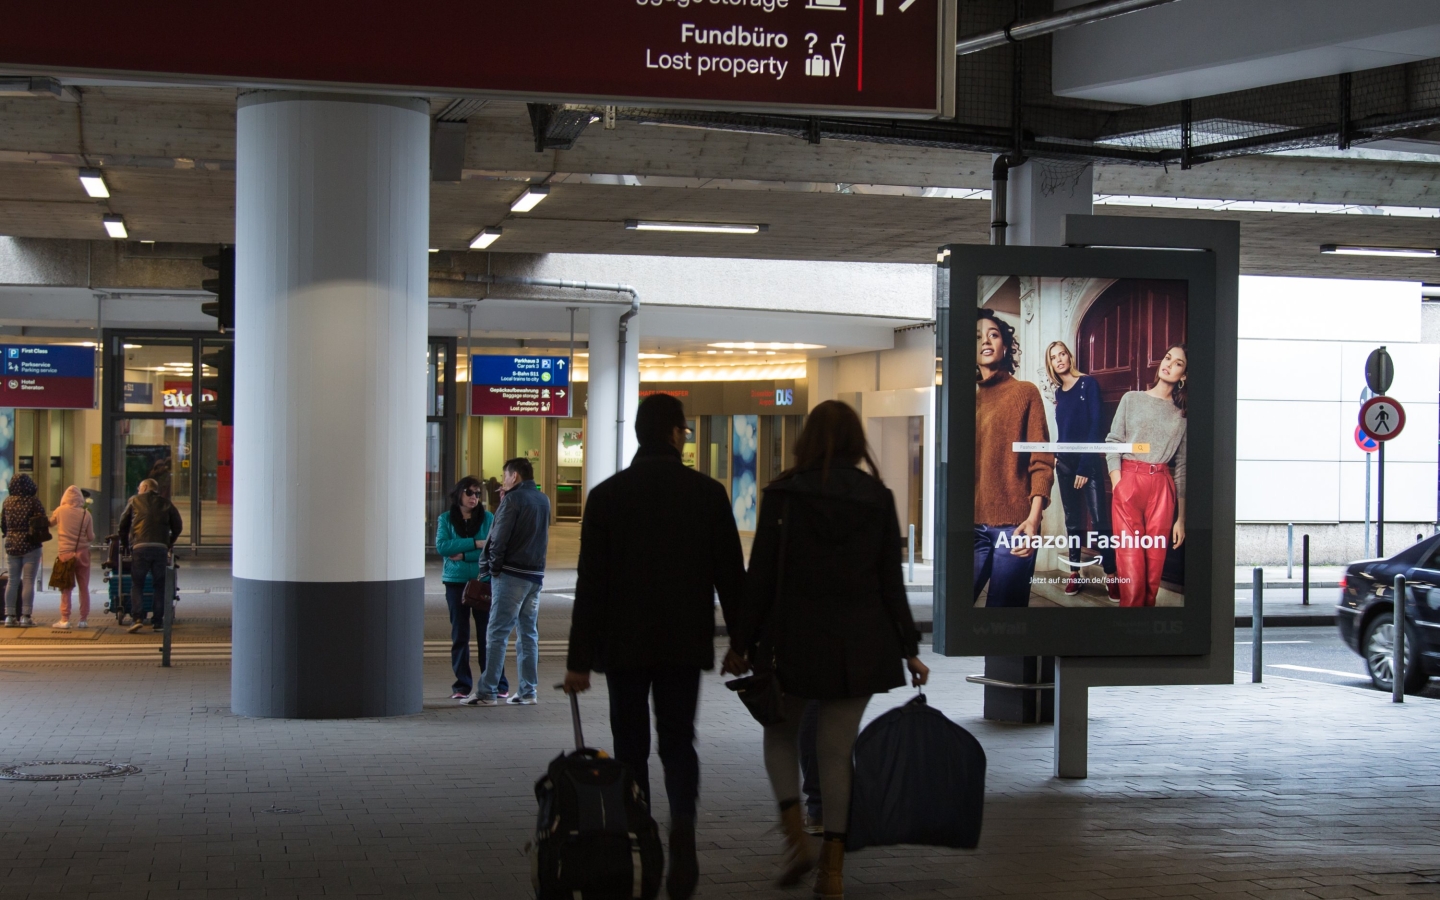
<point>657,543</point>
<point>841,624</point>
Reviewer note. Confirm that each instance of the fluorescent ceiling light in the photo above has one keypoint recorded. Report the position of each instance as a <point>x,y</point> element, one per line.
<point>530,199</point>
<point>1408,252</point>
<point>486,238</point>
<point>94,183</point>
<point>771,345</point>
<point>115,227</point>
<point>434,250</point>
<point>695,227</point>
<point>656,355</point>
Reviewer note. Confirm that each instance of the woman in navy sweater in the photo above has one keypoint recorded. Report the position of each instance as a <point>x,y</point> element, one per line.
<point>1080,419</point>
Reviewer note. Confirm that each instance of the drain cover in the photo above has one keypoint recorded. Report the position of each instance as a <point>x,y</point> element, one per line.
<point>64,770</point>
<point>283,811</point>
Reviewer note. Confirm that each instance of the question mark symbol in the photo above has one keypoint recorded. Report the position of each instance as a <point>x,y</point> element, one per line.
<point>813,38</point>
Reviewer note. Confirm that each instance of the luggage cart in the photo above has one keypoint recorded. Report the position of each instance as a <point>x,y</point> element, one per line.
<point>117,579</point>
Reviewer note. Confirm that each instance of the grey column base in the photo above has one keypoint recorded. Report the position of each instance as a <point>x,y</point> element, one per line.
<point>322,650</point>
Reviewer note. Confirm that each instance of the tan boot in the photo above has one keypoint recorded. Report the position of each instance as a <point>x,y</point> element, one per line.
<point>830,877</point>
<point>799,855</point>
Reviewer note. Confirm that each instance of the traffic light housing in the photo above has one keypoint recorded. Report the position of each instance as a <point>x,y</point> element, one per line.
<point>222,286</point>
<point>219,357</point>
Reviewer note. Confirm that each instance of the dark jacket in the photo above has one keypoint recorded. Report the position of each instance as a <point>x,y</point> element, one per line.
<point>520,534</point>
<point>150,519</point>
<point>841,624</point>
<point>20,507</point>
<point>658,541</point>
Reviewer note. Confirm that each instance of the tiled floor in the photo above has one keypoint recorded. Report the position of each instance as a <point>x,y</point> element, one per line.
<point>1276,791</point>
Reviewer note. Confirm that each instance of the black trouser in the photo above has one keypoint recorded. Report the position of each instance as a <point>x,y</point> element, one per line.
<point>677,693</point>
<point>1078,502</point>
<point>148,561</point>
<point>460,616</point>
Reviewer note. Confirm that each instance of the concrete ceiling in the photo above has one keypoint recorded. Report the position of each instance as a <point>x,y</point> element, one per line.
<point>168,156</point>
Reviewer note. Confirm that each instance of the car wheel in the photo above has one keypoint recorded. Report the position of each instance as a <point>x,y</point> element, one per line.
<point>1379,651</point>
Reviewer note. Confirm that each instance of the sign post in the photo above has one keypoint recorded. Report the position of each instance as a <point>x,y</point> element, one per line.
<point>1368,446</point>
<point>1381,418</point>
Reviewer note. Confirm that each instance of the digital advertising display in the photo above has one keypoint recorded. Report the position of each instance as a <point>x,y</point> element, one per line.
<point>1071,480</point>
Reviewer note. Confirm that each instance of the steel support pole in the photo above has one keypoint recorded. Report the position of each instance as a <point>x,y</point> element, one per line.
<point>1367,504</point>
<point>1380,503</point>
<point>1305,570</point>
<point>1257,628</point>
<point>1397,689</point>
<point>1290,551</point>
<point>911,557</point>
<point>166,602</point>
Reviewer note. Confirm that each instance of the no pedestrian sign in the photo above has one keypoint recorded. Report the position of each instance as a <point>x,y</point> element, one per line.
<point>1382,418</point>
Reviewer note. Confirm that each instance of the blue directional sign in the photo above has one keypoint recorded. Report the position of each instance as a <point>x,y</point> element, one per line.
<point>520,386</point>
<point>47,376</point>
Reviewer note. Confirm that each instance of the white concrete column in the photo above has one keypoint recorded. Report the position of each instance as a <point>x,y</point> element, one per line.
<point>331,229</point>
<point>601,430</point>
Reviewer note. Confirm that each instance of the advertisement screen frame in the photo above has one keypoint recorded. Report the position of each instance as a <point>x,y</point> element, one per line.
<point>1147,631</point>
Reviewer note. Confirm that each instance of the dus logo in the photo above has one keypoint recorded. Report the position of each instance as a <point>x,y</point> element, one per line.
<point>784,396</point>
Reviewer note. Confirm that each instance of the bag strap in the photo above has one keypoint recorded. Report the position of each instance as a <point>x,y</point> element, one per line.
<point>80,531</point>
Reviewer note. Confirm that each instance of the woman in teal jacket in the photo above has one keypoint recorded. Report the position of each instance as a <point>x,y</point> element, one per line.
<point>459,538</point>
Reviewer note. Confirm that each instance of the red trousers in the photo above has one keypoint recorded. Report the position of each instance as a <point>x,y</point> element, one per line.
<point>1143,504</point>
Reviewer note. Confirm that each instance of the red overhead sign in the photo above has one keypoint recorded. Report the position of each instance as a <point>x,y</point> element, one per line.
<point>892,56</point>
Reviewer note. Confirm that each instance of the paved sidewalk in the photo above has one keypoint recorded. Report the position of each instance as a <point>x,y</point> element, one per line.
<point>1282,791</point>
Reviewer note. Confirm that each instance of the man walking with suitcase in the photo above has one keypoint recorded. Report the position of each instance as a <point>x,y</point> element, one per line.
<point>657,543</point>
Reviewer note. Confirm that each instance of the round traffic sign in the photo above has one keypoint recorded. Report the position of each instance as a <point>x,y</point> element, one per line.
<point>1382,418</point>
<point>1364,441</point>
<point>1379,371</point>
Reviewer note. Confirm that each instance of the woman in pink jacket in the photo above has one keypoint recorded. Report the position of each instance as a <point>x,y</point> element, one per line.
<point>74,532</point>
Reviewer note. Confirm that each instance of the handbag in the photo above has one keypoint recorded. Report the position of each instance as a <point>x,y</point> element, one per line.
<point>761,692</point>
<point>62,574</point>
<point>477,597</point>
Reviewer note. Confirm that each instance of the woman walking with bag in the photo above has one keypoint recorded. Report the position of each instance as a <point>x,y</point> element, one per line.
<point>459,537</point>
<point>25,526</point>
<point>824,597</point>
<point>75,532</point>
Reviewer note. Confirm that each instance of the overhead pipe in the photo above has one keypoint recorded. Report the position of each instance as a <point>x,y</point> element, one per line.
<point>999,195</point>
<point>625,318</point>
<point>1079,15</point>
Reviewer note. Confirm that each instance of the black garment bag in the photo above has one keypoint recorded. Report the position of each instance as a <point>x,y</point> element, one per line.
<point>919,779</point>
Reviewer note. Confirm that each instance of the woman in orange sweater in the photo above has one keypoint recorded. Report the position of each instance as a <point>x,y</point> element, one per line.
<point>1011,489</point>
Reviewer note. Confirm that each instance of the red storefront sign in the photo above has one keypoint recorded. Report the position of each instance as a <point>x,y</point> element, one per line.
<point>893,56</point>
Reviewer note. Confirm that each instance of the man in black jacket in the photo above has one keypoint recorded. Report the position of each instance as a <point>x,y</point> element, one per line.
<point>149,528</point>
<point>657,543</point>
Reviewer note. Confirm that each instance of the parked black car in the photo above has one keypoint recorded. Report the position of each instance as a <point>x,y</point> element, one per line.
<point>1366,617</point>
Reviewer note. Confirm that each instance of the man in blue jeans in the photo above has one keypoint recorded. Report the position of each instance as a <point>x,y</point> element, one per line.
<point>514,558</point>
<point>149,528</point>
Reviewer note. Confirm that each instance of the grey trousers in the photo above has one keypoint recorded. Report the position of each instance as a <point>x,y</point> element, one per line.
<point>838,722</point>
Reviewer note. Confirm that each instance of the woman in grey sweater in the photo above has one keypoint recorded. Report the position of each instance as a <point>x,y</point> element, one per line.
<point>1148,503</point>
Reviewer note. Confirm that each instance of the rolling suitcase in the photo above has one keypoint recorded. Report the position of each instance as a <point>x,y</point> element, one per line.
<point>594,839</point>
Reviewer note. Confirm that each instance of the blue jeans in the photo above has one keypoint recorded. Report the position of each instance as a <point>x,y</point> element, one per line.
<point>20,593</point>
<point>460,616</point>
<point>1008,576</point>
<point>514,604</point>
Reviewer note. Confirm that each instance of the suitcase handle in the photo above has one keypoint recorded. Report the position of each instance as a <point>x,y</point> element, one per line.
<point>574,717</point>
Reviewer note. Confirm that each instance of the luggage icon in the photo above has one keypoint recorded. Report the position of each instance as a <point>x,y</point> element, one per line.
<point>817,66</point>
